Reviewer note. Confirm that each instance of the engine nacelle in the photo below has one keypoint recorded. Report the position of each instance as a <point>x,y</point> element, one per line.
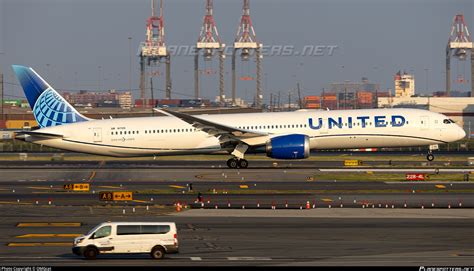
<point>288,147</point>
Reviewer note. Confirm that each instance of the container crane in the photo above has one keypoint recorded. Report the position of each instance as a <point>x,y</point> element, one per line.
<point>246,42</point>
<point>459,44</point>
<point>209,42</point>
<point>153,51</point>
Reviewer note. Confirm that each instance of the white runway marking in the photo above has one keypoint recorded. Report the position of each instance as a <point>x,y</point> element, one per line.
<point>249,259</point>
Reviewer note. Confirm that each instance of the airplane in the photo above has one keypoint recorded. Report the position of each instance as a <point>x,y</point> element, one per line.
<point>282,135</point>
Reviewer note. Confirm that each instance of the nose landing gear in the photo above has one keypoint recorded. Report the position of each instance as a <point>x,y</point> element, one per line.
<point>430,157</point>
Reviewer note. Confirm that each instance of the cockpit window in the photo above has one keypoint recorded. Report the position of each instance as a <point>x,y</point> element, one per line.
<point>446,121</point>
<point>452,121</point>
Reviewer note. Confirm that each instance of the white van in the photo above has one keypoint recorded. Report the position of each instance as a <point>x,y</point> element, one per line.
<point>156,238</point>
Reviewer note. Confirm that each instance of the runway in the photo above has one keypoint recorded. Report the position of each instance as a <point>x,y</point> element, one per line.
<point>288,188</point>
<point>268,216</point>
<point>261,239</point>
<point>199,164</point>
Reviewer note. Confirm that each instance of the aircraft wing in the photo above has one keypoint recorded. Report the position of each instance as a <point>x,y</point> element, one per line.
<point>223,132</point>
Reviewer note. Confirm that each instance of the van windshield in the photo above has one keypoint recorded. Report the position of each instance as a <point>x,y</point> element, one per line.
<point>102,232</point>
<point>93,230</point>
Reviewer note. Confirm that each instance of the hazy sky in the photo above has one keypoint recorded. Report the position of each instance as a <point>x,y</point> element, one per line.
<point>67,40</point>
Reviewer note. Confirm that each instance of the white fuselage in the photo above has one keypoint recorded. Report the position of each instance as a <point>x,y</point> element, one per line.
<point>339,129</point>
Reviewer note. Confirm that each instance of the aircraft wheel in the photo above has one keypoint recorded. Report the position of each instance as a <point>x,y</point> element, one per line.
<point>430,157</point>
<point>243,163</point>
<point>232,163</point>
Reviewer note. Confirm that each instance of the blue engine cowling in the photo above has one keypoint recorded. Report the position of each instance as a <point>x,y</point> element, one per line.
<point>288,147</point>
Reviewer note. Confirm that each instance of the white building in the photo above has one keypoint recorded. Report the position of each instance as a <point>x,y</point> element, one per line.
<point>404,85</point>
<point>125,100</point>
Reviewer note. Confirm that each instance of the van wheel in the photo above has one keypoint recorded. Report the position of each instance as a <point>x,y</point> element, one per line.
<point>90,253</point>
<point>158,253</point>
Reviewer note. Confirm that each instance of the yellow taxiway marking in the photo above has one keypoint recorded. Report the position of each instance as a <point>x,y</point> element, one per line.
<point>92,175</point>
<point>39,187</point>
<point>244,186</point>
<point>51,235</point>
<point>327,200</point>
<point>52,244</point>
<point>48,224</point>
<point>140,201</point>
<point>440,186</point>
<point>176,186</point>
<point>110,187</point>
<point>370,172</point>
<point>14,202</point>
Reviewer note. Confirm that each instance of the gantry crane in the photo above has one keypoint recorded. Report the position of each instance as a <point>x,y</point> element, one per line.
<point>209,42</point>
<point>246,41</point>
<point>460,42</point>
<point>153,51</point>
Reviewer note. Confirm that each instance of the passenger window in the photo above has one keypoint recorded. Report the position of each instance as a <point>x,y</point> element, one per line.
<point>142,229</point>
<point>102,232</point>
<point>155,229</point>
<point>128,229</point>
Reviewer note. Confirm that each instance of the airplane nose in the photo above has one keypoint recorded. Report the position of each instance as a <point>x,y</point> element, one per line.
<point>461,133</point>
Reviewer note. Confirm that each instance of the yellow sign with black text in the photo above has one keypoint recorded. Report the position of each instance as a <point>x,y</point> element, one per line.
<point>82,187</point>
<point>115,196</point>
<point>123,195</point>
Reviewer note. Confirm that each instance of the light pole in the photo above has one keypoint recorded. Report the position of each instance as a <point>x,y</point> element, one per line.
<point>1,91</point>
<point>130,67</point>
<point>99,77</point>
<point>75,80</point>
<point>426,73</point>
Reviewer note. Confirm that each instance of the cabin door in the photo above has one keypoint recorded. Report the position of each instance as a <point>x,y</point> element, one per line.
<point>425,122</point>
<point>97,134</point>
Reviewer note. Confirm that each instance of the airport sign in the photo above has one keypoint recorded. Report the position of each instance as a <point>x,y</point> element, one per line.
<point>123,195</point>
<point>351,163</point>
<point>416,177</point>
<point>115,196</point>
<point>82,187</point>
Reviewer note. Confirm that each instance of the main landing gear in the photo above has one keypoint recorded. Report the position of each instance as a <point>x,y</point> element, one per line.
<point>237,163</point>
